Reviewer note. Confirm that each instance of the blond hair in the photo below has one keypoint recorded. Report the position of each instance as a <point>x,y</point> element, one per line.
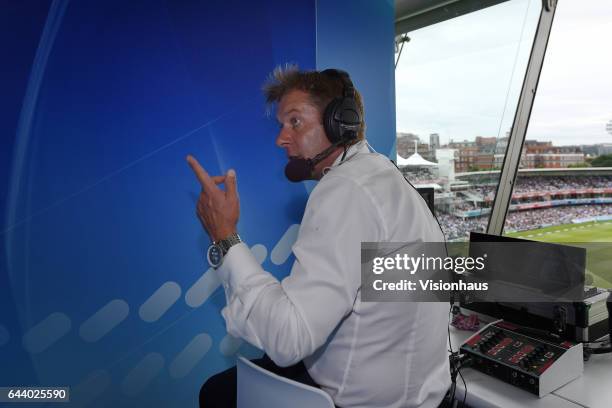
<point>322,88</point>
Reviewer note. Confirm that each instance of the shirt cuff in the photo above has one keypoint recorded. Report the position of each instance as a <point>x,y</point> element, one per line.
<point>238,264</point>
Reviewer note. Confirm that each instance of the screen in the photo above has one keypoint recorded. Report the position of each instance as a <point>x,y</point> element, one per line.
<point>530,270</point>
<point>428,195</point>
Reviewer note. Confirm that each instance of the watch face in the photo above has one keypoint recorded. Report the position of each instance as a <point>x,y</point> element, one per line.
<point>214,255</point>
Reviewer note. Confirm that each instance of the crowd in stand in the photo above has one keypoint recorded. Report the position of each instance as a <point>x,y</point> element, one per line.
<point>465,205</point>
<point>419,175</point>
<point>547,184</point>
<point>530,219</point>
<point>472,198</point>
<point>539,183</point>
<point>456,227</point>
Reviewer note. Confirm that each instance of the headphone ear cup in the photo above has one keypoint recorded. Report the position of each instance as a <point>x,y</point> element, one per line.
<point>348,119</point>
<point>342,119</point>
<point>338,112</point>
<point>330,124</point>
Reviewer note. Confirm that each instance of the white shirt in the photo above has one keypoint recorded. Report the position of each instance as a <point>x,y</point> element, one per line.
<point>364,354</point>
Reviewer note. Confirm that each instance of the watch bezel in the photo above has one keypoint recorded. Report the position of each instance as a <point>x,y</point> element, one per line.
<point>212,247</point>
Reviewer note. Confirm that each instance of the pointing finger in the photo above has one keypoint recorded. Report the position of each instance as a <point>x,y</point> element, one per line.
<point>203,177</point>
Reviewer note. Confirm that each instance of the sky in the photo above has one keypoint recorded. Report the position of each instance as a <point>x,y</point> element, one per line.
<point>461,78</point>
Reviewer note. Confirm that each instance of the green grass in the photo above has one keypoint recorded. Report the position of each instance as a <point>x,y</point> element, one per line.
<point>599,256</point>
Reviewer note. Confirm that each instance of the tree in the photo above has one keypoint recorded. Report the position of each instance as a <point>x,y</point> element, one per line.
<point>602,161</point>
<point>578,165</point>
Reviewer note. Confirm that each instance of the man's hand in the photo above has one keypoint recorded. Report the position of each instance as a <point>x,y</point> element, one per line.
<point>217,210</point>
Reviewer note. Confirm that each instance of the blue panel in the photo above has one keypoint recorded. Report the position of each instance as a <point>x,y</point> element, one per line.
<point>357,36</point>
<point>100,106</point>
<point>100,201</point>
<point>17,59</point>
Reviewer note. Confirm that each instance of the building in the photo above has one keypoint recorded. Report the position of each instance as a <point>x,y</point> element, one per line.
<point>466,158</point>
<point>446,163</point>
<point>552,160</point>
<point>434,141</point>
<point>604,148</point>
<point>405,147</point>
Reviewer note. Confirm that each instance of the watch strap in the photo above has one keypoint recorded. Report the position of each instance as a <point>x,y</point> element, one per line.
<point>226,243</point>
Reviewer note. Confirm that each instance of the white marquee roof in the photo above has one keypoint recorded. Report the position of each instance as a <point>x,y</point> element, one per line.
<point>415,160</point>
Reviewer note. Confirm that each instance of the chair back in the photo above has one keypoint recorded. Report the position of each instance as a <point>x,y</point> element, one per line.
<point>258,388</point>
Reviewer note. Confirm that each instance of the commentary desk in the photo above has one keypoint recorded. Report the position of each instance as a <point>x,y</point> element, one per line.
<point>592,389</point>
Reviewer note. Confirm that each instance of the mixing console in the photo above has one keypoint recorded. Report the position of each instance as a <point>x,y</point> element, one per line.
<point>539,366</point>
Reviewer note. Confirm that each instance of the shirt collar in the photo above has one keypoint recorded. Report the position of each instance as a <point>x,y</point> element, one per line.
<point>352,151</point>
<point>357,148</point>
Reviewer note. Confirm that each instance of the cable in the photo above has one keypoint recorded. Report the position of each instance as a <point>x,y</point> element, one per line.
<point>600,347</point>
<point>452,293</point>
<point>454,356</point>
<point>601,350</point>
<point>457,362</point>
<point>452,353</point>
<point>464,387</point>
<point>455,359</point>
<point>344,154</point>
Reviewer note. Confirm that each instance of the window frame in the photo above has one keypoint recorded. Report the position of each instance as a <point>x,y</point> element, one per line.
<point>520,123</point>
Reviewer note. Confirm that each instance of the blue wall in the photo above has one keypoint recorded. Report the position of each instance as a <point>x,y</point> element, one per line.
<point>358,36</point>
<point>103,282</point>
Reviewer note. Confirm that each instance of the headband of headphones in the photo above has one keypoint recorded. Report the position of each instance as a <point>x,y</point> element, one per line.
<point>342,118</point>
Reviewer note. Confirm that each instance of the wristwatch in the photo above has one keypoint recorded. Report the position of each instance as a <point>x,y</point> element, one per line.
<point>218,249</point>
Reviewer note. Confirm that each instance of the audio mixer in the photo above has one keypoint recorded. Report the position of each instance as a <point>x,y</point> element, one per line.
<point>540,366</point>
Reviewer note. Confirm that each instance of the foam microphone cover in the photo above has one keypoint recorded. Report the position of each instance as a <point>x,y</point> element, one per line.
<point>298,169</point>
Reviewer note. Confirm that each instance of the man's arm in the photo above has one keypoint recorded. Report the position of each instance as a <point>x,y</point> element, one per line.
<point>290,320</point>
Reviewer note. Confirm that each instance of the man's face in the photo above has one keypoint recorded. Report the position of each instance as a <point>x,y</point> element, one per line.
<point>301,127</point>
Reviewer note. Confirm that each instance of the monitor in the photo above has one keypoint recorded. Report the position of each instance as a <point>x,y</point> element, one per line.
<point>428,195</point>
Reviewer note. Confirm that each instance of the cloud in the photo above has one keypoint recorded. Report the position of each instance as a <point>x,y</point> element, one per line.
<point>461,78</point>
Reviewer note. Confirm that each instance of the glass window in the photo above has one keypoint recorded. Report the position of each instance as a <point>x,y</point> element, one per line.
<point>457,88</point>
<point>563,190</point>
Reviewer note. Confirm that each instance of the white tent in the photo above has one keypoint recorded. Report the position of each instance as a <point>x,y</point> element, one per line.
<point>415,160</point>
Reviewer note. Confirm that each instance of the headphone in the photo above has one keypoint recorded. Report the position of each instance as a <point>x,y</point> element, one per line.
<point>341,122</point>
<point>342,118</point>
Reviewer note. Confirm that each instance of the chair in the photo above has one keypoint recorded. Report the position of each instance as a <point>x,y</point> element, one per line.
<point>258,387</point>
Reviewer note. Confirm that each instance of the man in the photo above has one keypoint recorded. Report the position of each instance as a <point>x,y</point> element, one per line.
<point>363,354</point>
